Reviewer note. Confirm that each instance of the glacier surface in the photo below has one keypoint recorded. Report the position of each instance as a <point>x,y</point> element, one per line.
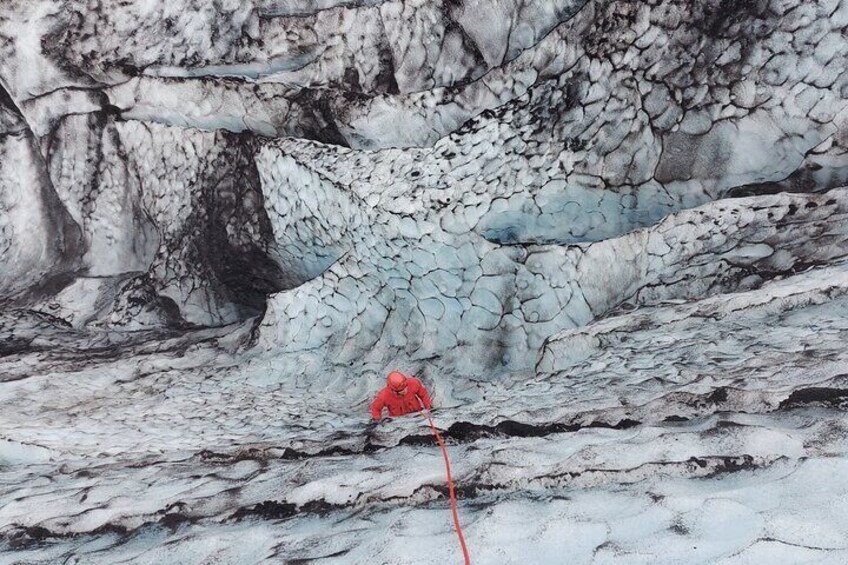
<point>611,237</point>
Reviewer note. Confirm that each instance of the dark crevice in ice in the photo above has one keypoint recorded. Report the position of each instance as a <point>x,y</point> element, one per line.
<point>820,396</point>
<point>302,561</point>
<point>19,537</point>
<point>274,510</point>
<point>465,432</point>
<point>807,179</point>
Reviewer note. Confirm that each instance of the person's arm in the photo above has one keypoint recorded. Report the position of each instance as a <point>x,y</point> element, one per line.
<point>424,396</point>
<point>377,407</point>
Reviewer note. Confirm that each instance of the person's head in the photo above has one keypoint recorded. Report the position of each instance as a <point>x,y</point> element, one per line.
<point>397,383</point>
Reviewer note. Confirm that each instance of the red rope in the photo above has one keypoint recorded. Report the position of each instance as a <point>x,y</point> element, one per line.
<point>457,527</point>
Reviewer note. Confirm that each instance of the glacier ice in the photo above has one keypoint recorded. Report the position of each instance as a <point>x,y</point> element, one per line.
<point>610,236</point>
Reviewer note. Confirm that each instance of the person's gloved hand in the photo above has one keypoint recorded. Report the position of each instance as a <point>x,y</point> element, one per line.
<point>374,423</point>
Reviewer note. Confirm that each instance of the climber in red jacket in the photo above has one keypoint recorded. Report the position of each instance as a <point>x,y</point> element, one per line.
<point>400,396</point>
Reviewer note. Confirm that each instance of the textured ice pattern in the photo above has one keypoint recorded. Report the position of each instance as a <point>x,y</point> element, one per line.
<point>611,237</point>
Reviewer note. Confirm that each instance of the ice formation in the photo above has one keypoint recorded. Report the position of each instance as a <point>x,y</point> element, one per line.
<point>610,236</point>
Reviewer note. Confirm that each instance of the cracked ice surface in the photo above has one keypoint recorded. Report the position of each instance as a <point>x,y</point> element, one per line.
<point>632,441</point>
<point>609,236</point>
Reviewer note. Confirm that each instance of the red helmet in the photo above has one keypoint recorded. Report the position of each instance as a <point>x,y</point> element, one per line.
<point>396,381</point>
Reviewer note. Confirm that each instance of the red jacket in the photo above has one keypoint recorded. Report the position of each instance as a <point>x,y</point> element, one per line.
<point>397,404</point>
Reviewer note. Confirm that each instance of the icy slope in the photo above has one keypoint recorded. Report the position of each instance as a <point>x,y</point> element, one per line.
<point>610,236</point>
<point>472,304</point>
<point>674,432</point>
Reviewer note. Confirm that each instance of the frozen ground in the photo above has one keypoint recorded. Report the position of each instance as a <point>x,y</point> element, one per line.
<point>611,237</point>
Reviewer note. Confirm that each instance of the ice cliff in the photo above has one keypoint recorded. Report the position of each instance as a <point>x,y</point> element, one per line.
<point>610,236</point>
